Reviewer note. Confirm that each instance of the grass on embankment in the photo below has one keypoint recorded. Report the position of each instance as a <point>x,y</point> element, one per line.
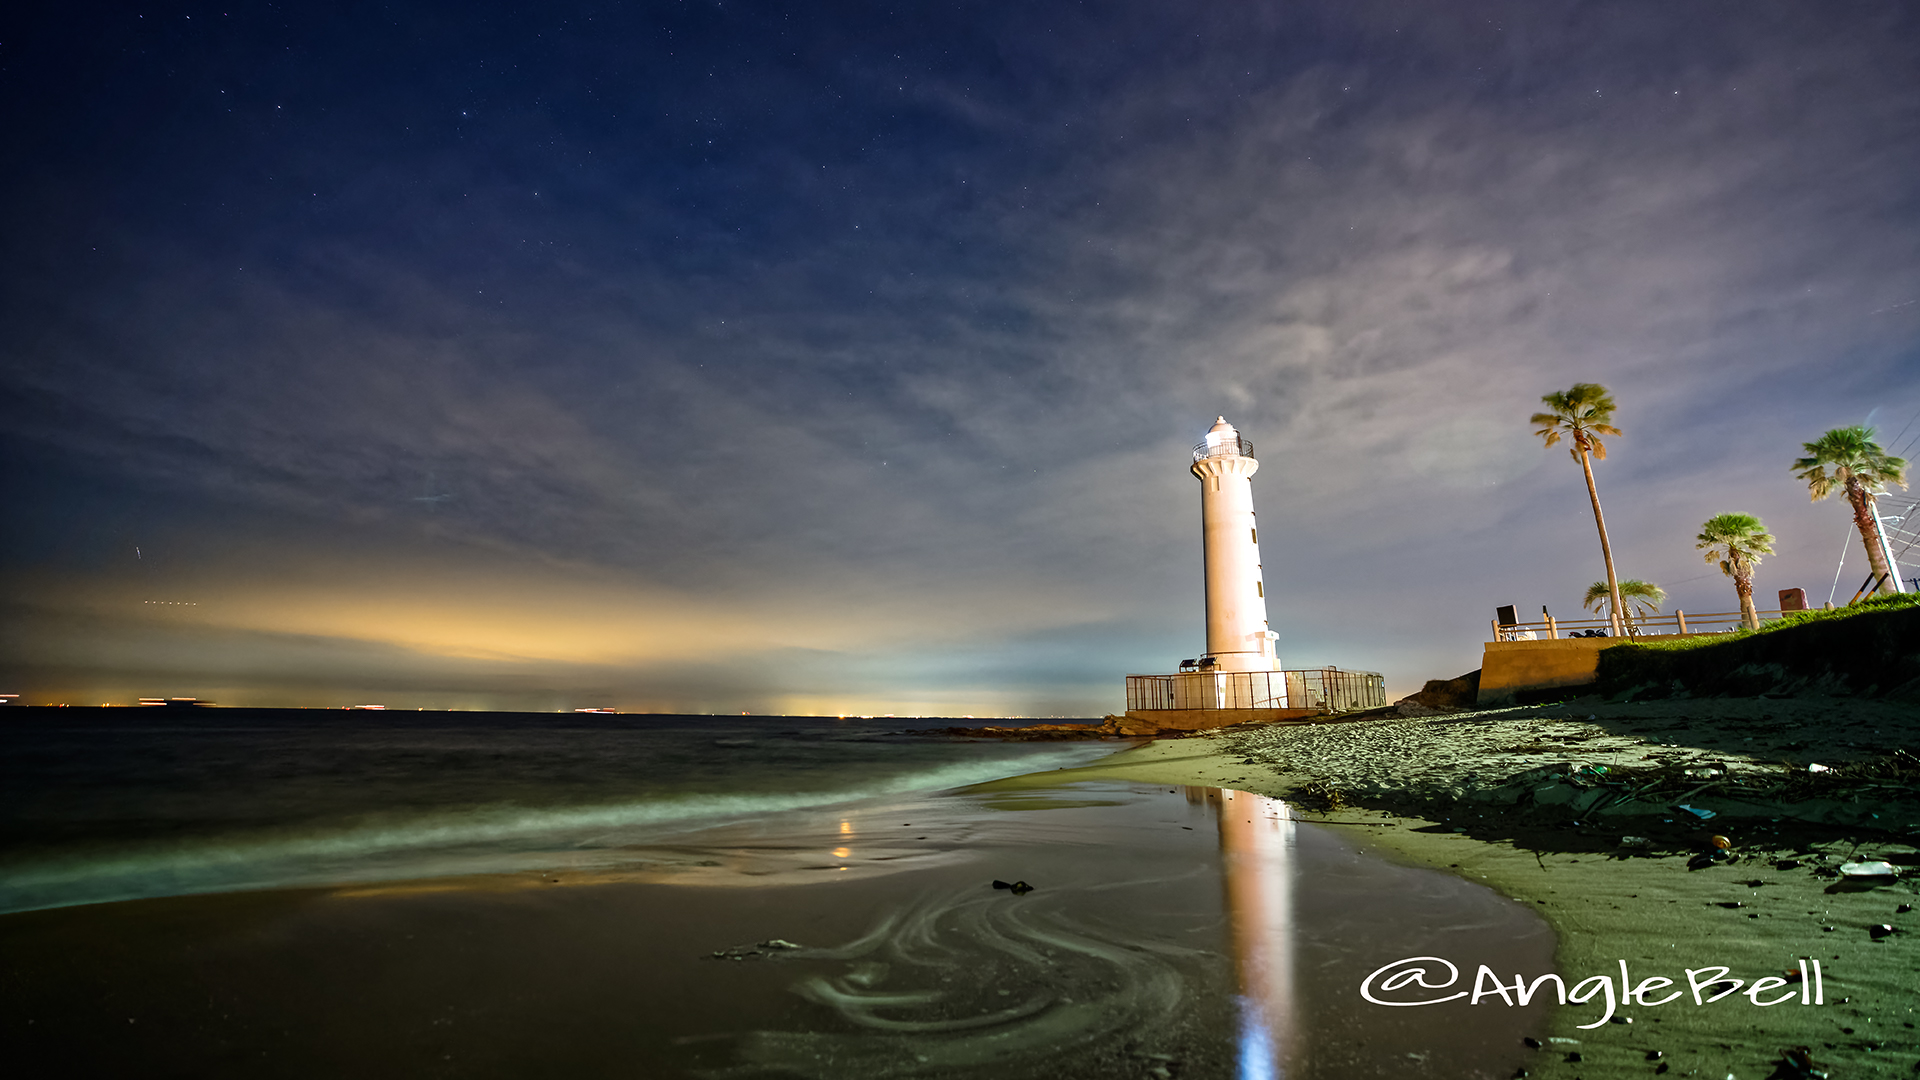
<point>1871,648</point>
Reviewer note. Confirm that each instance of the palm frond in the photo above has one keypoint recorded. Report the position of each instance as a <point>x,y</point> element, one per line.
<point>1846,455</point>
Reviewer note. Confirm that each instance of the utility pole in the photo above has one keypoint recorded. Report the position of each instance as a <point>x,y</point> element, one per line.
<point>1886,549</point>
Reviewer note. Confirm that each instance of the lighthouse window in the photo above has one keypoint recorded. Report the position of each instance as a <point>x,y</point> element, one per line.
<point>1260,590</point>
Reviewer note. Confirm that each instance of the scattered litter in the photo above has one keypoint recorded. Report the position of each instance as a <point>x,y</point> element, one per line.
<point>1796,1063</point>
<point>1018,888</point>
<point>1868,870</point>
<point>1903,909</point>
<point>1882,930</point>
<point>1655,1055</point>
<point>1710,856</point>
<point>761,951</point>
<point>1719,843</point>
<point>1817,767</point>
<point>1635,842</point>
<point>1703,815</point>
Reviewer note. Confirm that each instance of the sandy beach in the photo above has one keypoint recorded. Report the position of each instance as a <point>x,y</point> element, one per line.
<point>1515,799</point>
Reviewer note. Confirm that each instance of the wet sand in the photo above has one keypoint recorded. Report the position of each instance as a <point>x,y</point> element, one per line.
<point>1157,918</point>
<point>1475,794</point>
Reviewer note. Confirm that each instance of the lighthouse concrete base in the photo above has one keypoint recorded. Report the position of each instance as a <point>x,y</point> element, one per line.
<point>1207,719</point>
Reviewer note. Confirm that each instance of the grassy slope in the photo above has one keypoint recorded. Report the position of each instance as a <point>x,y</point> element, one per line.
<point>1871,648</point>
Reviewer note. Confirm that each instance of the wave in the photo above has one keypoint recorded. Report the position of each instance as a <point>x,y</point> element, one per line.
<point>488,837</point>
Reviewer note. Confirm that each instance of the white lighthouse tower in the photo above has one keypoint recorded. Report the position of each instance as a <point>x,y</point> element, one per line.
<point>1237,680</point>
<point>1238,638</point>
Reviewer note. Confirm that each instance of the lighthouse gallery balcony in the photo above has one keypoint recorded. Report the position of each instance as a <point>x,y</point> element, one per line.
<point>1235,446</point>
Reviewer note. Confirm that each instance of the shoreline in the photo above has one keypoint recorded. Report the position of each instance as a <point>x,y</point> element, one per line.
<point>1485,795</point>
<point>715,956</point>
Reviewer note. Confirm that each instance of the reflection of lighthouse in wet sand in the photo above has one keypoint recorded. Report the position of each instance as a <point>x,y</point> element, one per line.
<point>1238,638</point>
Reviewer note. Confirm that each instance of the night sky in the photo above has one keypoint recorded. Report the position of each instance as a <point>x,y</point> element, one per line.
<point>846,357</point>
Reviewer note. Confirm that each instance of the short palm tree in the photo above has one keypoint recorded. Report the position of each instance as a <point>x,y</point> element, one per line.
<point>1582,415</point>
<point>1849,459</point>
<point>1644,595</point>
<point>1737,541</point>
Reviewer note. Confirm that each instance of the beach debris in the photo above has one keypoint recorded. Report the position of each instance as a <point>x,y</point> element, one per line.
<point>1324,793</point>
<point>1531,1043</point>
<point>1903,909</point>
<point>1636,842</point>
<point>1882,930</point>
<point>1703,815</point>
<point>1868,870</point>
<point>1719,843</point>
<point>759,951</point>
<point>1655,1055</point>
<point>1018,888</point>
<point>1816,767</point>
<point>1712,853</point>
<point>1796,1063</point>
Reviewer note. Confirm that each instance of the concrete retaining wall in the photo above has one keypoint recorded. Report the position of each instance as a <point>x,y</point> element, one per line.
<point>1508,667</point>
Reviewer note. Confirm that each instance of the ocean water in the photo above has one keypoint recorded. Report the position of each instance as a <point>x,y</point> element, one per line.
<point>773,897</point>
<point>115,804</point>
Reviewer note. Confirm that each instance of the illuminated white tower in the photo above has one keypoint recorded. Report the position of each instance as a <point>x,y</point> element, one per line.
<point>1238,638</point>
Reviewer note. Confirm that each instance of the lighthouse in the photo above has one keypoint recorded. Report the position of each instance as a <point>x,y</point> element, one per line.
<point>1238,638</point>
<point>1237,680</point>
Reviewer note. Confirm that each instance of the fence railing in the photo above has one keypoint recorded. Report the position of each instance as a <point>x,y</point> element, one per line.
<point>1327,689</point>
<point>1236,447</point>
<point>1719,622</point>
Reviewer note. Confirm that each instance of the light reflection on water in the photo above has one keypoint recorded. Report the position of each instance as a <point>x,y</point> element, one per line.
<point>1150,940</point>
<point>1256,848</point>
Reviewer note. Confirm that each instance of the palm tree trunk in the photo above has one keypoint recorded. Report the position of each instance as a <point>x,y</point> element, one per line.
<point>1870,536</point>
<point>1743,584</point>
<point>1606,549</point>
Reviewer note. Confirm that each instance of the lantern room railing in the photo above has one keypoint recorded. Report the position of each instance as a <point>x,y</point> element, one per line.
<point>1234,447</point>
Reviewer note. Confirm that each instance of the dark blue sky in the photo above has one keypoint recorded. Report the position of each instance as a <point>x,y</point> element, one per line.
<point>846,356</point>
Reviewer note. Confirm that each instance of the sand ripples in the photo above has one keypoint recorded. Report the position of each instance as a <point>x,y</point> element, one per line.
<point>993,983</point>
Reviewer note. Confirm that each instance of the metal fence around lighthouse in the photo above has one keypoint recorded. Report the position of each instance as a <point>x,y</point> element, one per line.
<point>1327,689</point>
<point>1234,447</point>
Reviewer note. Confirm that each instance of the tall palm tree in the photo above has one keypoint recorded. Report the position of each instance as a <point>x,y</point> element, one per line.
<point>1848,458</point>
<point>1737,541</point>
<point>1582,415</point>
<point>1644,595</point>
